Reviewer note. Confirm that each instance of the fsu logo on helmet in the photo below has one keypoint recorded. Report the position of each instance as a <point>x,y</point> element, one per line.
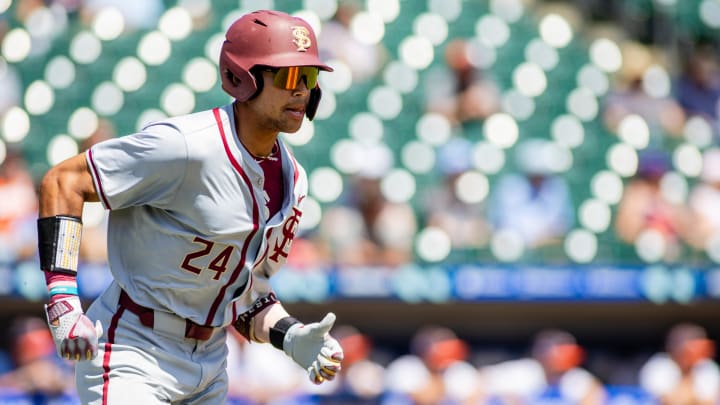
<point>301,37</point>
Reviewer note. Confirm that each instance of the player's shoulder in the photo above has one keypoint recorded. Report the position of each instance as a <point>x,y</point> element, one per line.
<point>187,124</point>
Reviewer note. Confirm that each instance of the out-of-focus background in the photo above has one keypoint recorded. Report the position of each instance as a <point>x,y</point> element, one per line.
<point>511,201</point>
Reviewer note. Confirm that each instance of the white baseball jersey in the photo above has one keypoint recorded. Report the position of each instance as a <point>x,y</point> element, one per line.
<point>189,231</point>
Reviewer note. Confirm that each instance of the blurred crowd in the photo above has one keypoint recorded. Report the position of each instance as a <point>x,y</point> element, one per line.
<point>530,204</point>
<point>436,367</point>
<point>519,209</point>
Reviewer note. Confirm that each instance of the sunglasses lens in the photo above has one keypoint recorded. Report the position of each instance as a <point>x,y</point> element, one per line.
<point>288,77</point>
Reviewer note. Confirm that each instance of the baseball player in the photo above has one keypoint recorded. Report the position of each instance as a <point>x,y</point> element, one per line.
<point>203,210</point>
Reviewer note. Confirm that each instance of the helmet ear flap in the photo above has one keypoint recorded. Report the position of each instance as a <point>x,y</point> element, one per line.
<point>240,84</point>
<point>313,102</point>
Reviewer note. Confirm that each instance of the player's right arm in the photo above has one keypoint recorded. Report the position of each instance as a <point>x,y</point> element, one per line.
<point>63,191</point>
<point>66,187</point>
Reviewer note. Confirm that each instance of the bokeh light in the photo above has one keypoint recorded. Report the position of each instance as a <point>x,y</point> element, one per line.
<point>488,157</point>
<point>501,130</point>
<point>606,55</point>
<point>634,131</point>
<point>688,160</point>
<point>388,10</point>
<point>108,23</point>
<point>567,130</point>
<point>418,157</point>
<point>83,122</point>
<point>529,79</point>
<point>304,135</point>
<point>433,128</point>
<point>367,28</point>
<point>366,127</point>
<point>416,52</point>
<point>623,159</point>
<point>16,45</point>
<point>595,215</point>
<point>385,102</point>
<point>507,245</point>
<point>154,48</point>
<point>472,187</point>
<point>581,245</point>
<point>492,31</point>
<point>431,26</point>
<point>60,72</point>
<point>555,30</point>
<point>85,48</point>
<point>607,186</point>
<point>433,244</point>
<point>107,99</point>
<point>60,148</point>
<point>583,103</point>
<point>540,53</point>
<point>517,104</point>
<point>130,74</point>
<point>325,184</point>
<point>15,125</point>
<point>177,99</point>
<point>39,98</point>
<point>398,186</point>
<point>400,77</point>
<point>176,23</point>
<point>509,10</point>
<point>200,75</point>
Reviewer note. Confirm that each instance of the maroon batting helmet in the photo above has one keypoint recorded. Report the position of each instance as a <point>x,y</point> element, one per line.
<point>267,38</point>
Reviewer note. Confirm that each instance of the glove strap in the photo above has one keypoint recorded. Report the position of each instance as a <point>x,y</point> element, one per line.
<point>278,332</point>
<point>58,309</point>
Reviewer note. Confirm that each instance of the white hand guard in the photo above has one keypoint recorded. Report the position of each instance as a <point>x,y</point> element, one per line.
<point>75,336</point>
<point>312,347</point>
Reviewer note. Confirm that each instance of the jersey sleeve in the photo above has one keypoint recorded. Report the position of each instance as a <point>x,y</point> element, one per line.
<point>139,169</point>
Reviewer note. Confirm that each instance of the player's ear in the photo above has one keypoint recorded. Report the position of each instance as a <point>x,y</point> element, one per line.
<point>232,78</point>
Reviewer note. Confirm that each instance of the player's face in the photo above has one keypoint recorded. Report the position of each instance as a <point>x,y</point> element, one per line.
<point>279,109</point>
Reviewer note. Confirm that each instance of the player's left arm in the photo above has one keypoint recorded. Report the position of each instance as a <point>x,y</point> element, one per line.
<point>309,345</point>
<point>63,191</point>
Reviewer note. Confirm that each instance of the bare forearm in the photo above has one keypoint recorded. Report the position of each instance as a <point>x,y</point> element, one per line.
<point>65,188</point>
<point>266,319</point>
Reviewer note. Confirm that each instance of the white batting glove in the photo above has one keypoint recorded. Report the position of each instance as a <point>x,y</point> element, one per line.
<point>312,347</point>
<point>74,334</point>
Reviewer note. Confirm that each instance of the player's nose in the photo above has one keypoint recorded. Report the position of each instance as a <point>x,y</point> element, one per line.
<point>301,87</point>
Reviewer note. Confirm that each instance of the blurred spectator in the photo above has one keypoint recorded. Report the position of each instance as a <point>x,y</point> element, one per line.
<point>536,203</point>
<point>261,374</point>
<point>39,373</point>
<point>337,41</point>
<point>460,90</point>
<point>685,374</point>
<point>44,21</point>
<point>137,14</point>
<point>644,210</point>
<point>362,377</point>
<point>704,201</point>
<point>551,375</point>
<point>9,78</point>
<point>464,222</point>
<point>635,94</point>
<point>436,371</point>
<point>366,228</point>
<point>697,89</point>
<point>10,83</point>
<point>18,210</point>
